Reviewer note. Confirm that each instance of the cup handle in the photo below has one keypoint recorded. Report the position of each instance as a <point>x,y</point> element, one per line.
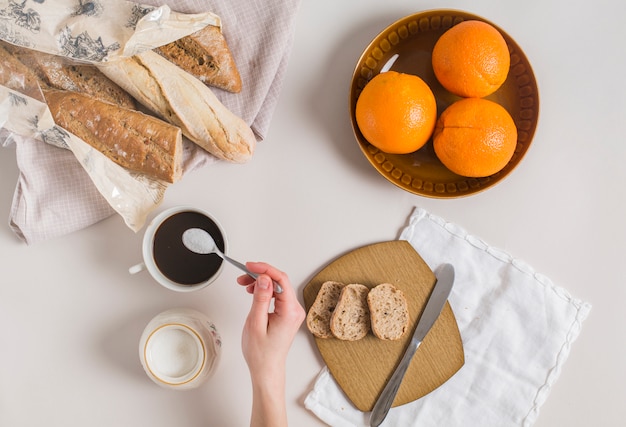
<point>137,268</point>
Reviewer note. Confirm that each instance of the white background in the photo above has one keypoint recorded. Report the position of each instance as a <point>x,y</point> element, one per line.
<point>71,316</point>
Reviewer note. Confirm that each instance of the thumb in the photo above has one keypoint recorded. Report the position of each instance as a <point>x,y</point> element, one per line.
<point>261,300</point>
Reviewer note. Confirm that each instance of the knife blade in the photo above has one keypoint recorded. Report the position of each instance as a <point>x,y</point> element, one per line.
<point>434,306</point>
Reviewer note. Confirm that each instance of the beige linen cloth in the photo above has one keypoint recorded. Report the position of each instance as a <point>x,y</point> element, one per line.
<point>517,329</point>
<point>54,196</point>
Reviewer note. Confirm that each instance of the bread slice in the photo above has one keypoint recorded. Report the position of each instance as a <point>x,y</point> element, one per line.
<point>389,312</point>
<point>318,317</point>
<point>206,55</point>
<point>60,73</point>
<point>351,318</point>
<point>130,138</point>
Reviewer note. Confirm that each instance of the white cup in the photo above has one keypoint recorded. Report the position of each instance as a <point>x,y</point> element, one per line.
<point>168,261</point>
<point>180,348</point>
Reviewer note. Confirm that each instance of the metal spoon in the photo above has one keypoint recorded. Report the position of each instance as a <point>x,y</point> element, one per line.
<point>387,66</point>
<point>201,242</point>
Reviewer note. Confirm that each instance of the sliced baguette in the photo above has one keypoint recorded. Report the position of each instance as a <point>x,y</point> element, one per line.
<point>350,320</point>
<point>389,312</point>
<point>205,54</point>
<point>318,317</point>
<point>130,138</point>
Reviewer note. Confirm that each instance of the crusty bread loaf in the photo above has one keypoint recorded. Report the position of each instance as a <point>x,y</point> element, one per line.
<point>17,76</point>
<point>350,320</point>
<point>59,73</point>
<point>183,100</point>
<point>389,312</point>
<point>132,139</point>
<point>205,54</point>
<point>318,317</point>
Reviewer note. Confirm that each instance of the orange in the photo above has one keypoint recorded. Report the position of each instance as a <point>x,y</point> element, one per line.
<point>471,59</point>
<point>396,112</point>
<point>475,137</point>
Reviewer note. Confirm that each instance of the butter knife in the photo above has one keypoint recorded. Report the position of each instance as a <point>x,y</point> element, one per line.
<point>434,306</point>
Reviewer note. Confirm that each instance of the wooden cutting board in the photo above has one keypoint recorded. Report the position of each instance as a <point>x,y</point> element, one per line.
<point>362,368</point>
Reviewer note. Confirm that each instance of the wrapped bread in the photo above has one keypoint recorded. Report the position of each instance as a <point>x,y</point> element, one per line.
<point>60,73</point>
<point>18,77</point>
<point>134,140</point>
<point>205,55</point>
<point>183,100</point>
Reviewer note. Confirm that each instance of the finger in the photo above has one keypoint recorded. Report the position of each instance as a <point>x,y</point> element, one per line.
<point>286,304</point>
<point>277,275</point>
<point>245,280</point>
<point>248,282</point>
<point>262,297</point>
<point>264,268</point>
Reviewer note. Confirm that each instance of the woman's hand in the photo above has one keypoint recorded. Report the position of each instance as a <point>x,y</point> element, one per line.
<point>266,341</point>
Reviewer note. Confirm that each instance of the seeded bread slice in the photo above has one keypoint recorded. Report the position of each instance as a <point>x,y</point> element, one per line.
<point>351,319</point>
<point>389,312</point>
<point>318,318</point>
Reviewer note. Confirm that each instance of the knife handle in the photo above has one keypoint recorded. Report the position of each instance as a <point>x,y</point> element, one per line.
<point>385,400</point>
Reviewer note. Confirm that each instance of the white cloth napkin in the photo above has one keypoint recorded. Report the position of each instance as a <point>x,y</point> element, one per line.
<point>517,329</point>
<point>54,196</point>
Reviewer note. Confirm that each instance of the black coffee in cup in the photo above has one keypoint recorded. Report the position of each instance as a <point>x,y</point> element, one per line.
<point>174,260</point>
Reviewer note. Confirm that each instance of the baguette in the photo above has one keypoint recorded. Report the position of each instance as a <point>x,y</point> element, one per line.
<point>350,320</point>
<point>58,73</point>
<point>389,312</point>
<point>130,138</point>
<point>134,140</point>
<point>205,55</point>
<point>318,317</point>
<point>183,100</point>
<point>18,77</point>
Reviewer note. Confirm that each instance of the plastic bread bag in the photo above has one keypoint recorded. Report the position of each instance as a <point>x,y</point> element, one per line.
<point>87,32</point>
<point>94,30</point>
<point>131,195</point>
